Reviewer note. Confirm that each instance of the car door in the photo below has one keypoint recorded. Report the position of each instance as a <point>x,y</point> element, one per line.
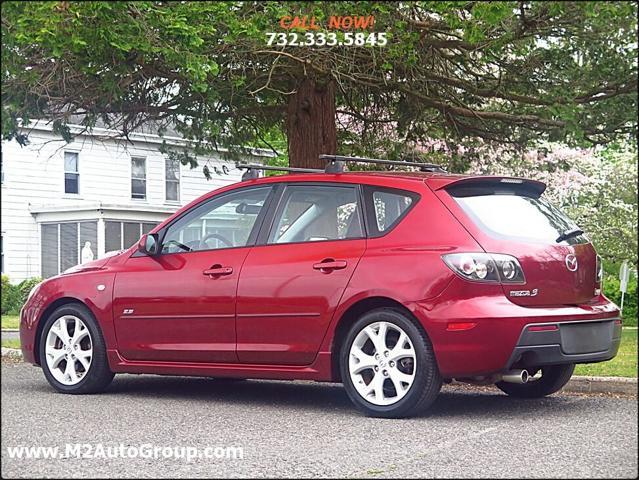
<point>179,306</point>
<point>291,285</point>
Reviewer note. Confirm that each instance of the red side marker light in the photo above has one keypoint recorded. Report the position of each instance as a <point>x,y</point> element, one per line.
<point>543,328</point>
<point>459,326</point>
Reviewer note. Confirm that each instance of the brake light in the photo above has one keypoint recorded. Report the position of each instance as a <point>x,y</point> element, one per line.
<point>486,267</point>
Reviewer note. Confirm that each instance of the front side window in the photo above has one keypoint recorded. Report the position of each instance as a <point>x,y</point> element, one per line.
<point>138,178</point>
<point>71,173</point>
<point>311,213</point>
<point>172,170</point>
<point>223,222</point>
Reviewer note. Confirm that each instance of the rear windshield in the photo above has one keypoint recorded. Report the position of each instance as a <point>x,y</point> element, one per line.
<point>518,216</point>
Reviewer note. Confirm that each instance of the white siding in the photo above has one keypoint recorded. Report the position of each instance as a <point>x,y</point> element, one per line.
<point>34,177</point>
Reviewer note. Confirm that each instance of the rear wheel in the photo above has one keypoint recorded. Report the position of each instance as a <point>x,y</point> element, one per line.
<point>388,366</point>
<point>73,352</point>
<point>552,379</point>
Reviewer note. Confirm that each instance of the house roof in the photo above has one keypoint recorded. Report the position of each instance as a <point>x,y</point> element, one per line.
<point>147,133</point>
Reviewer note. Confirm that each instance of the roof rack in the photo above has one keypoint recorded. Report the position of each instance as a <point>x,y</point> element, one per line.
<point>336,163</point>
<point>253,170</point>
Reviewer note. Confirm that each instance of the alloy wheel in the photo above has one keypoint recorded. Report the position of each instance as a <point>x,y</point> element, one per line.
<point>69,350</point>
<point>382,363</point>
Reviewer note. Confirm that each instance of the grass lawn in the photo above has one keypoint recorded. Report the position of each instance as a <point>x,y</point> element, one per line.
<point>623,365</point>
<point>10,321</point>
<point>12,343</point>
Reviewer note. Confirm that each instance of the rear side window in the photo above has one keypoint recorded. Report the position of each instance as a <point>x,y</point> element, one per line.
<point>386,207</point>
<point>311,213</point>
<point>508,214</point>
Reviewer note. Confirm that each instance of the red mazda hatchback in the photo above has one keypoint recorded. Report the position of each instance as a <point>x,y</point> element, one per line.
<point>390,283</point>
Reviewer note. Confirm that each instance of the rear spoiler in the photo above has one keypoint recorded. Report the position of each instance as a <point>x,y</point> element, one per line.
<point>483,185</point>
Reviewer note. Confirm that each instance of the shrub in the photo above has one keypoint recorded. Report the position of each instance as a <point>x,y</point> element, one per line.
<point>25,287</point>
<point>611,290</point>
<point>14,296</point>
<point>10,297</point>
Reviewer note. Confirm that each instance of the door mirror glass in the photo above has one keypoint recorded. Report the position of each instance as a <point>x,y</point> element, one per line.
<point>149,244</point>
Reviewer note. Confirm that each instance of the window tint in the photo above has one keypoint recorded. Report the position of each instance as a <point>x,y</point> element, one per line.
<point>313,213</point>
<point>223,222</point>
<point>389,207</point>
<point>71,173</point>
<point>520,216</point>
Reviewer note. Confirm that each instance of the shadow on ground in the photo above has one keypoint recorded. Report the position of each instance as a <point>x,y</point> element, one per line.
<point>453,400</point>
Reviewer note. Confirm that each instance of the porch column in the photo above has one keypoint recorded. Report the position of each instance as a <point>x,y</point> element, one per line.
<point>101,237</point>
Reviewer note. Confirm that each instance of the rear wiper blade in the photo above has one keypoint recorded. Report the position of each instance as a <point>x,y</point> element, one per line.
<point>569,234</point>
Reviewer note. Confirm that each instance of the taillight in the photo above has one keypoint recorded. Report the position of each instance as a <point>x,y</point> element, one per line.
<point>599,276</point>
<point>486,267</point>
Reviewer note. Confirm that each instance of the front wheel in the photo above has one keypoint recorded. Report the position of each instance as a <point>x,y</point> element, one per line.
<point>552,379</point>
<point>388,366</point>
<point>73,352</point>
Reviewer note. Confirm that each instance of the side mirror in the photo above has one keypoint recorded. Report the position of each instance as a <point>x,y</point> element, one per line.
<point>149,244</point>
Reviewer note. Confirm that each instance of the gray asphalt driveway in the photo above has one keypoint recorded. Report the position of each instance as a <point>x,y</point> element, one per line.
<point>311,430</point>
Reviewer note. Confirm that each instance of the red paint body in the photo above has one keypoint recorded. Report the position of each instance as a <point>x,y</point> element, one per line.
<point>275,316</point>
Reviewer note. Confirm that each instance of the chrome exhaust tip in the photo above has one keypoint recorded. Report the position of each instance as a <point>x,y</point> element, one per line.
<point>515,376</point>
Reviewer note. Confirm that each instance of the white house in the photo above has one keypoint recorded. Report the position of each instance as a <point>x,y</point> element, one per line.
<point>63,203</point>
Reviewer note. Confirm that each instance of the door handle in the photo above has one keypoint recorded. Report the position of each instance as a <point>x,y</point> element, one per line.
<point>328,265</point>
<point>218,270</point>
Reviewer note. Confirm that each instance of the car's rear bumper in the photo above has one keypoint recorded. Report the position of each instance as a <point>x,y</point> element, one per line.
<point>492,330</point>
<point>566,342</point>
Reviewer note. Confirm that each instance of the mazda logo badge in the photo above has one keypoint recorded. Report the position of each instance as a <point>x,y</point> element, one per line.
<point>571,263</point>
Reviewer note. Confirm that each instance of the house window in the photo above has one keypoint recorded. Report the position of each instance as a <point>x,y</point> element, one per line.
<point>138,178</point>
<point>71,173</point>
<point>64,245</point>
<point>172,168</point>
<point>121,235</point>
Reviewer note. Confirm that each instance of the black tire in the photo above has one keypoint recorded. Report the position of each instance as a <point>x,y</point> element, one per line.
<point>98,376</point>
<point>427,382</point>
<point>553,378</point>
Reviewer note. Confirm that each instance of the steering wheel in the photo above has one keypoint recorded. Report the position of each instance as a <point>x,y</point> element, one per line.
<point>217,236</point>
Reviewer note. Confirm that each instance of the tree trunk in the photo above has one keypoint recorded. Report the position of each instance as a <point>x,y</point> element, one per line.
<point>310,125</point>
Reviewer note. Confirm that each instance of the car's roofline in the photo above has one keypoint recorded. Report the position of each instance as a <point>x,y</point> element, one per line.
<point>435,180</point>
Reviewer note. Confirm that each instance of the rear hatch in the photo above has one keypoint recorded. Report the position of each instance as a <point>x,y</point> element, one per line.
<point>510,216</point>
